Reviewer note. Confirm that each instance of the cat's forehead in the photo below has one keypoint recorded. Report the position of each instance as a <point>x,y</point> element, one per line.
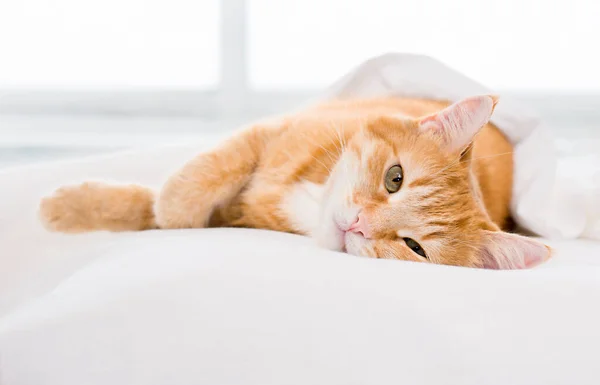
<point>382,145</point>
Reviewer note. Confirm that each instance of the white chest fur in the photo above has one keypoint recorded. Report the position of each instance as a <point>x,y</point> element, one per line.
<point>302,206</point>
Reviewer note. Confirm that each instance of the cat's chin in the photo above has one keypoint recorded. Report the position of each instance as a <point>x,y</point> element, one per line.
<point>338,240</point>
<point>331,237</point>
<point>354,244</point>
<point>332,242</point>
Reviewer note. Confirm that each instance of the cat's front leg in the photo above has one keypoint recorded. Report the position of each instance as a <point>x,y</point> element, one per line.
<point>210,180</point>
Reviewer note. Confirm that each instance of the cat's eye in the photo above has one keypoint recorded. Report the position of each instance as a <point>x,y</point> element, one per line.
<point>414,246</point>
<point>393,179</point>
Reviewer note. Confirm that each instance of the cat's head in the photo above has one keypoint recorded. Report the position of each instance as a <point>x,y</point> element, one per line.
<point>402,190</point>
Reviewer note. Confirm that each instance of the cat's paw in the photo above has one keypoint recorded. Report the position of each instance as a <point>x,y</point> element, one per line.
<point>67,209</point>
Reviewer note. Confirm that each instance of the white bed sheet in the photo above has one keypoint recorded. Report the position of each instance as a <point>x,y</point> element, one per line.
<point>225,306</point>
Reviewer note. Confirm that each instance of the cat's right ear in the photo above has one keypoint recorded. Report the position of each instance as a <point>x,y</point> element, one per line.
<point>456,125</point>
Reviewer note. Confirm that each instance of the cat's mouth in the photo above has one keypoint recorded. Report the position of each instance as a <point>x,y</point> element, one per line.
<point>341,238</point>
<point>341,235</point>
<point>350,242</point>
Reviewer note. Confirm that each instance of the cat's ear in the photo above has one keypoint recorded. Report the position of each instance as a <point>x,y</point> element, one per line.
<point>503,251</point>
<point>457,124</point>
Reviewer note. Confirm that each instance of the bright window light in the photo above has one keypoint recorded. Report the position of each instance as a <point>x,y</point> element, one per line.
<point>108,44</point>
<point>508,44</point>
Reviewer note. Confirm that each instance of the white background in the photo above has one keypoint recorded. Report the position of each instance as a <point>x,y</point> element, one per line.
<point>508,44</point>
<point>140,72</point>
<point>108,44</point>
<point>292,44</point>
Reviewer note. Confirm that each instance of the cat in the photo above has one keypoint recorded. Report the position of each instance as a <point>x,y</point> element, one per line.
<point>398,178</point>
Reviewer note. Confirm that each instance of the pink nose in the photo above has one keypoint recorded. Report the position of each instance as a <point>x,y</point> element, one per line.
<point>359,226</point>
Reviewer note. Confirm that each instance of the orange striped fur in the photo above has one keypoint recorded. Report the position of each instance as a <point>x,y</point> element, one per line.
<point>321,173</point>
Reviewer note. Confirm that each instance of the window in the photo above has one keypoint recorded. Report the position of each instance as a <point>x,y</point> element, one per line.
<point>509,44</point>
<point>224,58</point>
<point>109,44</point>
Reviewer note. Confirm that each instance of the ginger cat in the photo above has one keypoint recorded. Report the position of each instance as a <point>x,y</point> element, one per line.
<point>399,178</point>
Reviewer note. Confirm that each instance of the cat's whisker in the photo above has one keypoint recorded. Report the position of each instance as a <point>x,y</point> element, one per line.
<point>485,157</point>
<point>325,150</point>
<point>337,132</point>
<point>454,163</point>
<point>323,164</point>
<point>333,159</point>
<point>306,136</point>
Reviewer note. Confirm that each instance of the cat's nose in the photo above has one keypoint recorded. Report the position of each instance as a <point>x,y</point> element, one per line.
<point>359,226</point>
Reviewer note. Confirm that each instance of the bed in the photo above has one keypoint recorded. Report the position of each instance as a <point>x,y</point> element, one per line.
<point>242,306</point>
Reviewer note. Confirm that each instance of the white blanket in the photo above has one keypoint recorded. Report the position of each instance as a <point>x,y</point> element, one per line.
<point>225,306</point>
